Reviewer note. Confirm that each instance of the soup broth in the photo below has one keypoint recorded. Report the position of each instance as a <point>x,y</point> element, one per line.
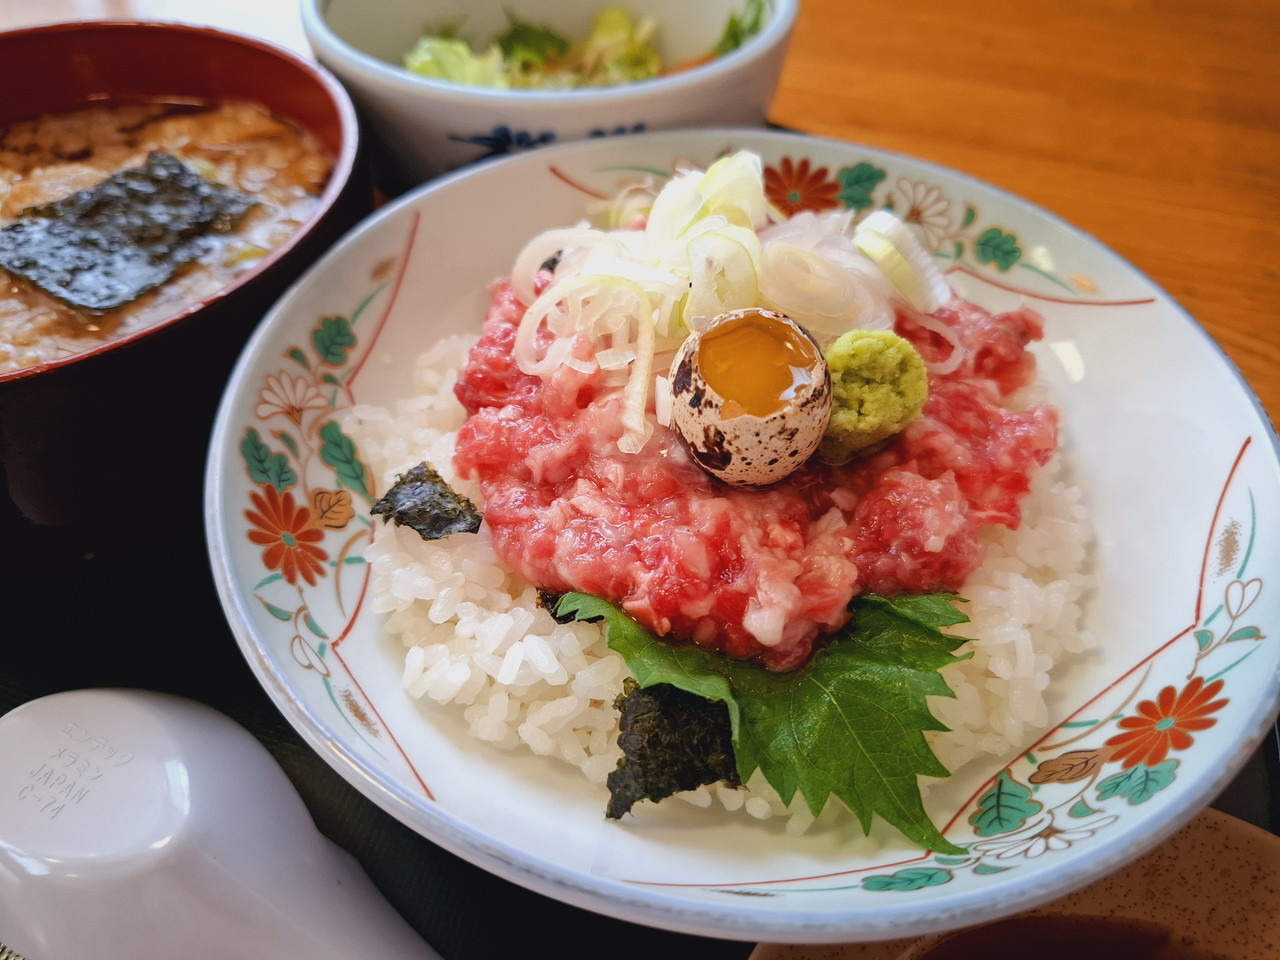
<point>237,145</point>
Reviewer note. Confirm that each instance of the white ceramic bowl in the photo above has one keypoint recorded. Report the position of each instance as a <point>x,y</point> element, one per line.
<point>422,127</point>
<point>1184,496</point>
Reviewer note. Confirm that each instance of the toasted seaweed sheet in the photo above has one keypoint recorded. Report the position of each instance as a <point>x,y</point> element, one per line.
<point>671,741</point>
<point>422,500</point>
<point>101,248</point>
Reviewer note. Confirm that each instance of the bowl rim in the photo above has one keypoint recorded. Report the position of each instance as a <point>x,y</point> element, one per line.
<point>344,163</point>
<point>329,46</point>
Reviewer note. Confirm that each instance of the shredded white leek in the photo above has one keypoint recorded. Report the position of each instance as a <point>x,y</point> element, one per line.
<point>955,357</point>
<point>548,244</point>
<point>662,400</point>
<point>724,267</point>
<point>707,246</point>
<point>908,265</point>
<point>614,358</point>
<point>636,428</point>
<point>828,290</point>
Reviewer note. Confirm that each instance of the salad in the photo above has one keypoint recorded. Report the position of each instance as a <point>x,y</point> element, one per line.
<point>619,49</point>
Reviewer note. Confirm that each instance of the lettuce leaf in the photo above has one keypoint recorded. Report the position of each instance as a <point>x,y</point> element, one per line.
<point>447,57</point>
<point>618,50</point>
<point>850,723</point>
<point>739,28</point>
<point>528,46</point>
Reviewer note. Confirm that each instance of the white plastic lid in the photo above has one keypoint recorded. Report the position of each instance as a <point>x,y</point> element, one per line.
<point>133,823</point>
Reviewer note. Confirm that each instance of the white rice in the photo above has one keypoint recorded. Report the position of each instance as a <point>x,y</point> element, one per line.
<point>478,642</point>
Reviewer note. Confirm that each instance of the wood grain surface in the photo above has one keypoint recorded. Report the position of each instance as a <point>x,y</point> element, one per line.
<point>1153,125</point>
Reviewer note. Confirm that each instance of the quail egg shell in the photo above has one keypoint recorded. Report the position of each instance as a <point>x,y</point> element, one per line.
<point>751,396</point>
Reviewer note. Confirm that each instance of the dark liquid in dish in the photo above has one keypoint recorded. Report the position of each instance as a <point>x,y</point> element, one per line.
<point>1067,938</point>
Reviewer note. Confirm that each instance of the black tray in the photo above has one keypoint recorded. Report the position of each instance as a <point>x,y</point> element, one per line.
<point>138,609</point>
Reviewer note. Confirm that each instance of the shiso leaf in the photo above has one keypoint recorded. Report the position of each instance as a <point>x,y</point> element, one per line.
<point>850,723</point>
<point>649,659</point>
<point>101,248</point>
<point>671,741</point>
<point>422,500</point>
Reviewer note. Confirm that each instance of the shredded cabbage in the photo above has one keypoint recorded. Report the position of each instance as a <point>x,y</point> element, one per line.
<point>450,58</point>
<point>618,50</point>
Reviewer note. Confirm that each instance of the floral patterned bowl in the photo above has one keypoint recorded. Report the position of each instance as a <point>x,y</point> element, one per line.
<point>1145,730</point>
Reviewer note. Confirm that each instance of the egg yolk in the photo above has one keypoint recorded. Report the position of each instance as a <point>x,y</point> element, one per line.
<point>756,364</point>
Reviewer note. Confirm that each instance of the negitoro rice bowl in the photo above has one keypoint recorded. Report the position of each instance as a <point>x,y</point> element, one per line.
<point>430,675</point>
<point>467,606</point>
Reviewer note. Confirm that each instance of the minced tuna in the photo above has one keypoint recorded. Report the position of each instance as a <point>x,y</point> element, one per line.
<point>759,573</point>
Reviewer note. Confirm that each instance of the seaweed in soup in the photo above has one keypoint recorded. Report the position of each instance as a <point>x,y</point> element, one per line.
<point>101,248</point>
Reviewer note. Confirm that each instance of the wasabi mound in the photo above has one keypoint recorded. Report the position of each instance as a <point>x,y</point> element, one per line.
<point>879,385</point>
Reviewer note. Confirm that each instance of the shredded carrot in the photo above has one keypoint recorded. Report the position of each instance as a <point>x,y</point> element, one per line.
<point>690,64</point>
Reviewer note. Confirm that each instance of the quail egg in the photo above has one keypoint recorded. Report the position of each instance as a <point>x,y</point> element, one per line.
<point>751,396</point>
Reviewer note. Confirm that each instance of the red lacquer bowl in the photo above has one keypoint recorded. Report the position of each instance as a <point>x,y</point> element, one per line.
<point>82,431</point>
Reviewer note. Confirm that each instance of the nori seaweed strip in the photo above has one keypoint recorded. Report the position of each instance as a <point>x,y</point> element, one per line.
<point>101,248</point>
<point>548,600</point>
<point>422,500</point>
<point>671,741</point>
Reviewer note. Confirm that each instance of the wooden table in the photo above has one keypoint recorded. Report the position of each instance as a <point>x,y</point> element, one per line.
<point>1153,126</point>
